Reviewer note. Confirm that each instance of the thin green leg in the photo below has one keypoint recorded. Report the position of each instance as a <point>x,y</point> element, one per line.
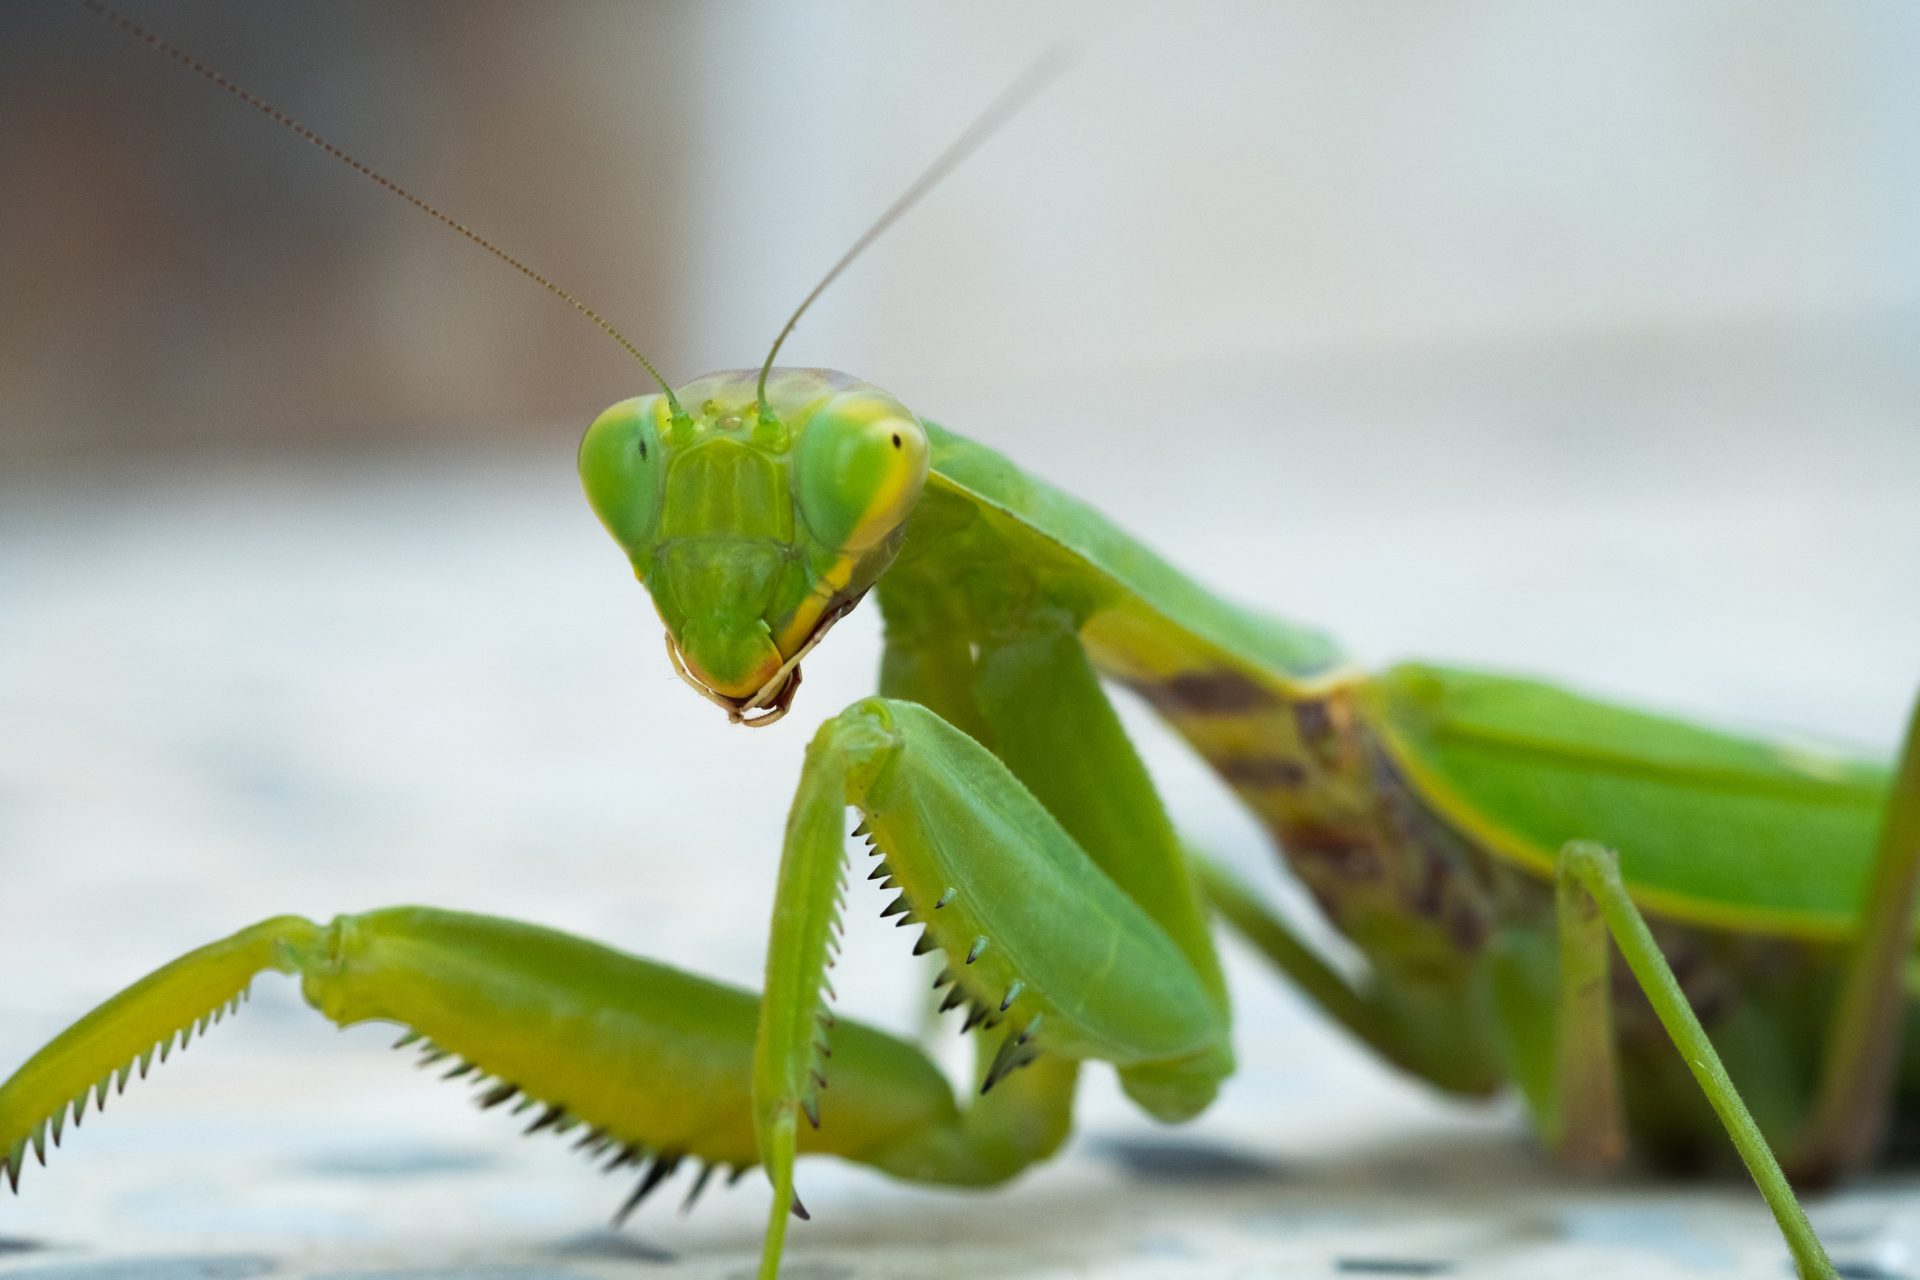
<point>1594,871</point>
<point>1587,1126</point>
<point>1856,1080</point>
<point>1275,940</point>
<point>1430,1040</point>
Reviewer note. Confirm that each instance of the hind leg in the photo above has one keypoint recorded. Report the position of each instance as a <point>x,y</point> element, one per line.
<point>1591,895</point>
<point>1850,1113</point>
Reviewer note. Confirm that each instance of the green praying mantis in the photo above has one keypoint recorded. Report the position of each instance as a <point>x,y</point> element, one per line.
<point>1485,842</point>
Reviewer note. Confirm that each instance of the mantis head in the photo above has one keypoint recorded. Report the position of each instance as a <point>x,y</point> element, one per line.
<point>760,517</point>
<point>758,506</point>
<point>755,522</point>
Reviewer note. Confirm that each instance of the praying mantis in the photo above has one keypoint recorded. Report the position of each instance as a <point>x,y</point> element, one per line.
<point>1484,841</point>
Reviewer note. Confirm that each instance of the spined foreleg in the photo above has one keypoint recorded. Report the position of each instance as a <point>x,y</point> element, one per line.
<point>644,1065</point>
<point>1053,958</point>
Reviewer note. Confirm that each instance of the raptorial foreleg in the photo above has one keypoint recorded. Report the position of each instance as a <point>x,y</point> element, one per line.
<point>1055,962</point>
<point>645,1066</point>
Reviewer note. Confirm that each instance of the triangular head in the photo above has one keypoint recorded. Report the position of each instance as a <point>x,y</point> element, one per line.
<point>755,524</point>
<point>763,513</point>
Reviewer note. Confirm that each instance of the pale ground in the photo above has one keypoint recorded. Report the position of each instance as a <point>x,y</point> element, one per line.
<point>229,690</point>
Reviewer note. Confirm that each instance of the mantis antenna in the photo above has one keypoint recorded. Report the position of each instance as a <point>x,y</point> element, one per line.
<point>1016,96</point>
<point>286,121</point>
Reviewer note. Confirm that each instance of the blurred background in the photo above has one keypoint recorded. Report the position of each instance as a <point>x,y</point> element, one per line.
<point>1301,185</point>
<point>1577,342</point>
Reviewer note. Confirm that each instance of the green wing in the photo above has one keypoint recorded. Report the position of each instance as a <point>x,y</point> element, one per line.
<point>1711,827</point>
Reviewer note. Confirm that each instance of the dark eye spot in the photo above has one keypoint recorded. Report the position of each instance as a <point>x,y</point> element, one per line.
<point>896,439</point>
<point>643,450</point>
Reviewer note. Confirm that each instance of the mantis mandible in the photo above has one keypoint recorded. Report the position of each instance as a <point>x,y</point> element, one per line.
<point>1460,828</point>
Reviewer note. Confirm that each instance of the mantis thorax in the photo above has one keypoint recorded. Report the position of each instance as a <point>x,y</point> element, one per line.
<point>754,523</point>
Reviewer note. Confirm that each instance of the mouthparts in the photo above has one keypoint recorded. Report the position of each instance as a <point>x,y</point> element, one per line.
<point>774,698</point>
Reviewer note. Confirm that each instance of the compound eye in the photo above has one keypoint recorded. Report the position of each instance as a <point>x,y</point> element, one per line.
<point>621,468</point>
<point>862,463</point>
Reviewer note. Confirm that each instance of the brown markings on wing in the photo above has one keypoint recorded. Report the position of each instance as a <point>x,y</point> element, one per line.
<point>1444,878</point>
<point>1262,772</point>
<point>1217,691</point>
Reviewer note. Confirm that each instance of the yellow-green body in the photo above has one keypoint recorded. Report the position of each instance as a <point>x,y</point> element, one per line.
<point>1424,807</point>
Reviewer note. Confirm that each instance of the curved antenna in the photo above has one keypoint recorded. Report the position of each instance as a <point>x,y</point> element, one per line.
<point>1016,96</point>
<point>286,121</point>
